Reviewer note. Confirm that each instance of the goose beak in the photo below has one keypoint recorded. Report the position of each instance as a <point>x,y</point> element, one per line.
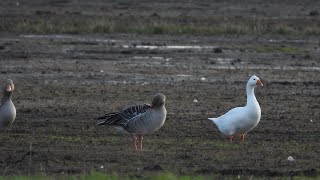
<point>259,83</point>
<point>8,88</point>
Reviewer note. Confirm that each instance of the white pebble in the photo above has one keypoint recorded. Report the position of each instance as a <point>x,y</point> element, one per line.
<point>101,71</point>
<point>101,166</point>
<point>195,101</point>
<point>203,79</point>
<point>311,120</point>
<point>290,158</point>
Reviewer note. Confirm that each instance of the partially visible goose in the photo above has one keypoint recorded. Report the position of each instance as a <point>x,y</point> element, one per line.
<point>139,119</point>
<point>240,120</point>
<point>7,109</point>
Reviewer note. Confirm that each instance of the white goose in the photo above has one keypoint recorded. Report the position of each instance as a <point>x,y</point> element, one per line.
<point>240,120</point>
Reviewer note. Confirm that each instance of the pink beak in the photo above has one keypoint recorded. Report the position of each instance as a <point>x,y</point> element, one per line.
<point>8,88</point>
<point>259,83</point>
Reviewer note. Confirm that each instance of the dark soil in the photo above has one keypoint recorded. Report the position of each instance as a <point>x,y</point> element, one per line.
<point>63,82</point>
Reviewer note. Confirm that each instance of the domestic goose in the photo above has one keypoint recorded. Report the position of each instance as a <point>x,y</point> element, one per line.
<point>240,120</point>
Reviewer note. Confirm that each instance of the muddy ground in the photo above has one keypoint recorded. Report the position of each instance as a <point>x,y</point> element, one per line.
<point>63,82</point>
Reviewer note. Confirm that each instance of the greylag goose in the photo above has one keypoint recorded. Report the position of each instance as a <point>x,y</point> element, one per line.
<point>7,109</point>
<point>138,120</point>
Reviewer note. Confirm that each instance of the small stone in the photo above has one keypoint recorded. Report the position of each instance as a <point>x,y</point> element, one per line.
<point>217,50</point>
<point>314,13</point>
<point>155,167</point>
<point>290,159</point>
<point>195,101</point>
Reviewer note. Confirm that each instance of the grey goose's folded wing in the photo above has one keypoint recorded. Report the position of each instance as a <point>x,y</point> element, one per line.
<point>121,118</point>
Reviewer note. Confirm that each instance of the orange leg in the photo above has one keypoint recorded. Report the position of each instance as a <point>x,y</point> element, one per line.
<point>241,138</point>
<point>140,141</point>
<point>230,138</point>
<point>134,138</point>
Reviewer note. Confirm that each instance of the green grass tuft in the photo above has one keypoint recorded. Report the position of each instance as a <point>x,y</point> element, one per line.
<point>223,145</point>
<point>161,25</point>
<point>65,138</point>
<point>102,176</point>
<point>282,49</point>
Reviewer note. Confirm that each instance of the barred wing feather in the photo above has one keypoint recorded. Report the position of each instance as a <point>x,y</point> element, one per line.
<point>121,118</point>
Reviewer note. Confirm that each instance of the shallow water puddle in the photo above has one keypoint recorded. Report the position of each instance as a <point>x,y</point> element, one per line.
<point>47,36</point>
<point>168,47</point>
<point>223,60</point>
<point>151,47</point>
<point>184,75</point>
<point>152,57</point>
<point>260,67</point>
<point>296,41</point>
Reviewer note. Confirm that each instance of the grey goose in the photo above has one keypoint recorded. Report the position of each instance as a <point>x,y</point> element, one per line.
<point>138,120</point>
<point>7,109</point>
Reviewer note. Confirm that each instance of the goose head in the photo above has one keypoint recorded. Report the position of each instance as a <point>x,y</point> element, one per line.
<point>158,100</point>
<point>7,90</point>
<point>255,81</point>
<point>9,87</point>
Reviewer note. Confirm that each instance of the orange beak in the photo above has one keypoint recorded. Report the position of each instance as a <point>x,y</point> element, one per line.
<point>259,83</point>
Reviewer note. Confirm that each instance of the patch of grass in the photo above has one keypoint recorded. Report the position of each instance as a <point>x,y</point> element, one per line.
<point>65,138</point>
<point>99,176</point>
<point>189,141</point>
<point>168,28</point>
<point>61,27</point>
<point>169,176</point>
<point>283,49</point>
<point>26,178</point>
<point>159,25</point>
<point>102,176</point>
<point>223,145</point>
<point>108,139</point>
<point>102,26</point>
<point>298,148</point>
<point>285,30</point>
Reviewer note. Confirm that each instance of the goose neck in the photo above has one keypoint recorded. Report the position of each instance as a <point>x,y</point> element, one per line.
<point>251,99</point>
<point>6,96</point>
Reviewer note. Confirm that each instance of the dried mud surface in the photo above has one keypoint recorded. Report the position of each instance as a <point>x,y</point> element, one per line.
<point>63,82</point>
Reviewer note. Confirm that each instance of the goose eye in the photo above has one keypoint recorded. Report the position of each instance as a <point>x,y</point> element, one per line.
<point>254,79</point>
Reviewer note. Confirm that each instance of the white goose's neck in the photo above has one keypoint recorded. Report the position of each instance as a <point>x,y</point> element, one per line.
<point>251,98</point>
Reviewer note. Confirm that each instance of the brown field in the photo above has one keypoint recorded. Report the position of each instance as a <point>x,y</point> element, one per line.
<point>64,81</point>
